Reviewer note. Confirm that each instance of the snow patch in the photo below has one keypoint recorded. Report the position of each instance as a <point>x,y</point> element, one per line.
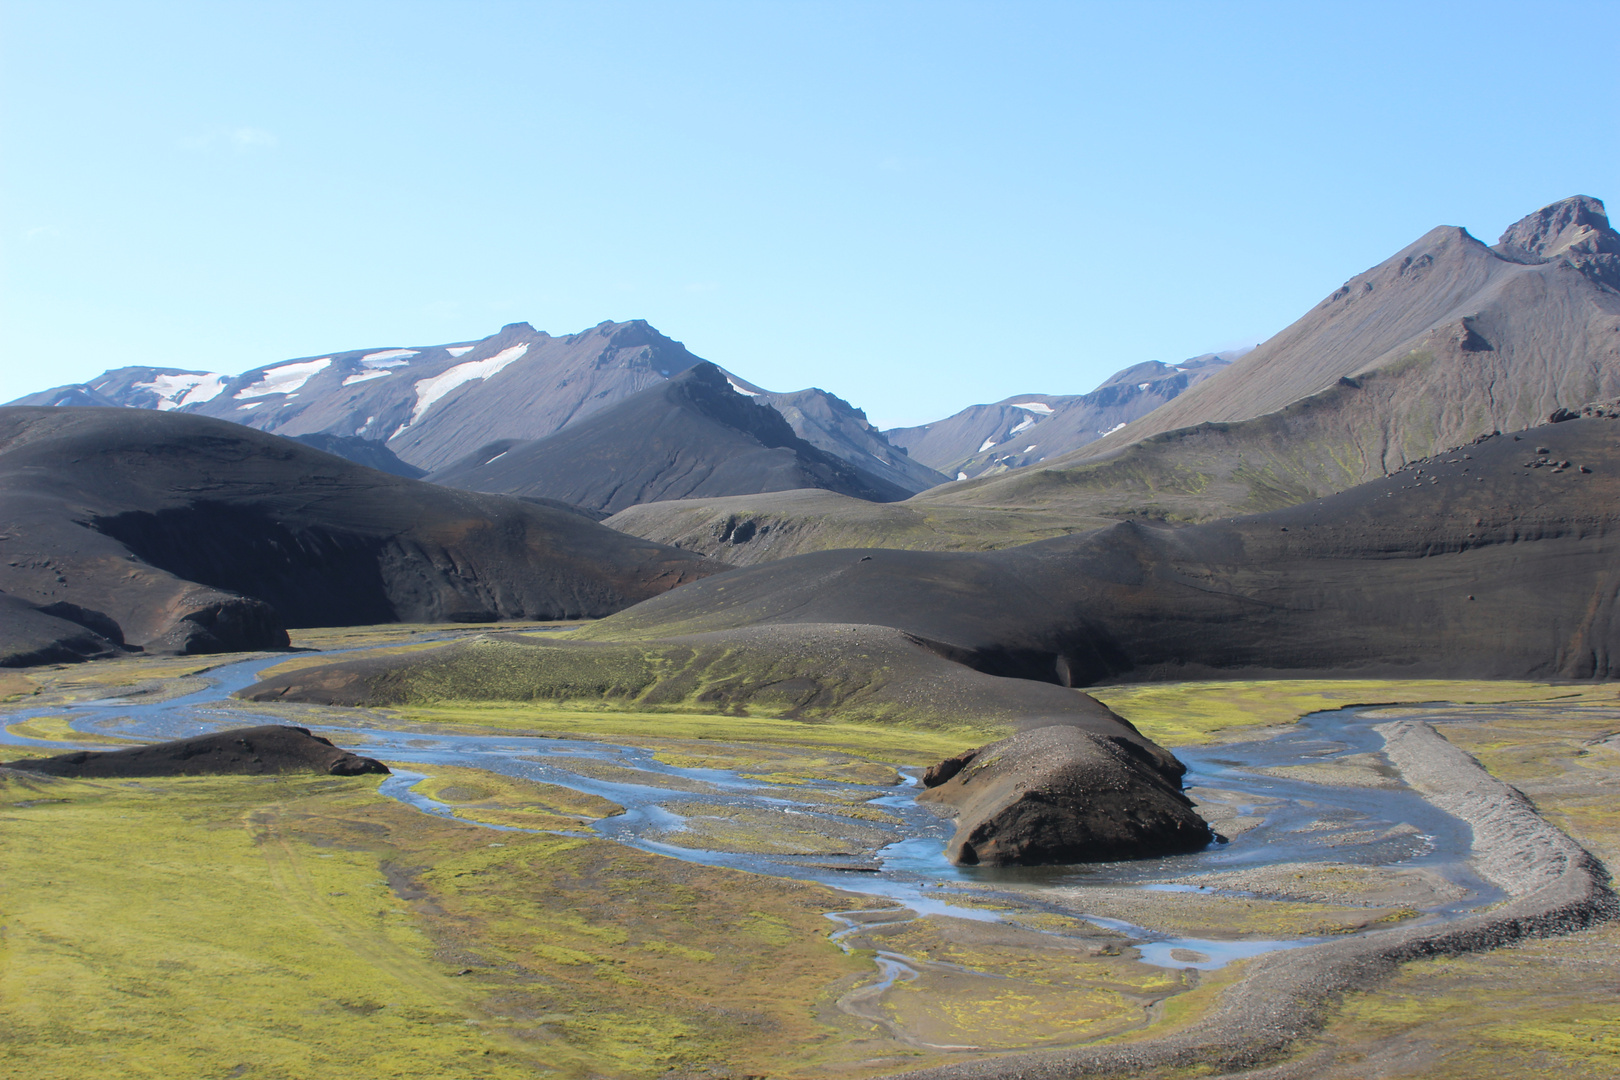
<point>431,390</point>
<point>1143,385</point>
<point>497,457</point>
<point>987,444</point>
<point>366,376</point>
<point>249,405</point>
<point>174,391</point>
<point>1033,406</point>
<point>961,476</point>
<point>459,350</point>
<point>745,392</point>
<point>1028,448</point>
<point>387,358</point>
<point>1028,421</point>
<point>1111,430</point>
<point>283,379</point>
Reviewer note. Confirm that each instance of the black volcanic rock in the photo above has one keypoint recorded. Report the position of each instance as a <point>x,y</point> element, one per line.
<point>1492,562</point>
<point>251,751</point>
<point>1060,794</point>
<point>374,455</point>
<point>692,436</point>
<point>180,533</point>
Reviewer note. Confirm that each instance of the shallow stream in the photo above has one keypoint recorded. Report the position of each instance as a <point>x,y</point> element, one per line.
<point>897,852</point>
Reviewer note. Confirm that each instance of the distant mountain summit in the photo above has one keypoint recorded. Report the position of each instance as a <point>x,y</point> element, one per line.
<point>983,440</point>
<point>1446,340</point>
<point>432,405</point>
<point>693,436</point>
<point>1480,338</point>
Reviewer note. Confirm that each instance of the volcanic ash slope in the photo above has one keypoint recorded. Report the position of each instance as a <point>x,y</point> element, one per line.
<point>180,533</point>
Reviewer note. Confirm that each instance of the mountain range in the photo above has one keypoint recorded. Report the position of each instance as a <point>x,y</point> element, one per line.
<point>1026,429</point>
<point>426,409</point>
<point>432,406</point>
<point>1447,340</point>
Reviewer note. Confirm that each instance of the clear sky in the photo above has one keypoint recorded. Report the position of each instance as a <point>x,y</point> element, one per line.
<point>917,206</point>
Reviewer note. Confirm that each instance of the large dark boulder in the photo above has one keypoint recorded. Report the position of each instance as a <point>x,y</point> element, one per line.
<point>1062,794</point>
<point>242,752</point>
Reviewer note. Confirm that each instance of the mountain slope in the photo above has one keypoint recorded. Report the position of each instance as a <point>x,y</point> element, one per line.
<point>828,422</point>
<point>1483,338</point>
<point>183,533</point>
<point>1500,562</point>
<point>983,440</point>
<point>692,436</point>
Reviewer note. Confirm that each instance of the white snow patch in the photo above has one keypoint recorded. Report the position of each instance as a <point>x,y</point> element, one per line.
<point>249,405</point>
<point>174,391</point>
<point>1028,421</point>
<point>1028,448</point>
<point>430,390</point>
<point>366,376</point>
<point>987,444</point>
<point>744,391</point>
<point>284,379</point>
<point>1143,385</point>
<point>459,350</point>
<point>1113,429</point>
<point>387,358</point>
<point>1034,406</point>
<point>207,390</point>
<point>961,476</point>
<point>497,457</point>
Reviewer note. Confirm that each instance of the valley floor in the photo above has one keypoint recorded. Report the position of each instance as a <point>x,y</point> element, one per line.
<point>314,927</point>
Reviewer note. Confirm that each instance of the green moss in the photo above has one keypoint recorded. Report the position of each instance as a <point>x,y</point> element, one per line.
<point>1194,713</point>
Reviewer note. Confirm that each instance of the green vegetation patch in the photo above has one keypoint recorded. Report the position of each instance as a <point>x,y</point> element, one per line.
<point>493,799</point>
<point>309,928</point>
<point>1196,713</point>
<point>676,732</point>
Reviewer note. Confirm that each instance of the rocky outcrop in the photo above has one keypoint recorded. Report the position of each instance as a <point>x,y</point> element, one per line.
<point>242,752</point>
<point>1059,794</point>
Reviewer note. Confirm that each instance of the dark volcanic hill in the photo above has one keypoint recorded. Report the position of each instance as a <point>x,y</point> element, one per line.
<point>183,533</point>
<point>434,404</point>
<point>1498,561</point>
<point>983,440</point>
<point>692,436</point>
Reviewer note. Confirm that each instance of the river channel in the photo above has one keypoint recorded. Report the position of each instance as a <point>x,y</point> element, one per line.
<point>875,839</point>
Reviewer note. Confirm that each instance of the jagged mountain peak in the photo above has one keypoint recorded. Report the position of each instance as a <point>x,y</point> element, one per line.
<point>1578,224</point>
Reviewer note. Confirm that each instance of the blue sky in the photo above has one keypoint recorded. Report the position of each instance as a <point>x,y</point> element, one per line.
<point>916,206</point>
